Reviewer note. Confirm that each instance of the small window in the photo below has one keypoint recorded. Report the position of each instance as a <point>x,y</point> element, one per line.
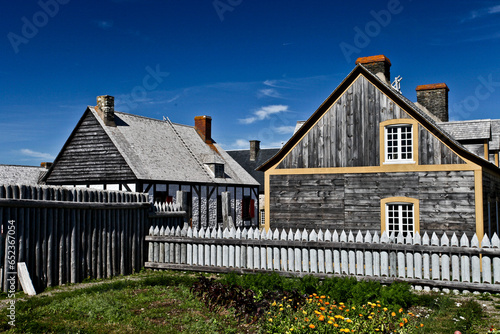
<point>400,217</point>
<point>247,208</point>
<point>398,143</point>
<point>262,217</point>
<point>216,169</point>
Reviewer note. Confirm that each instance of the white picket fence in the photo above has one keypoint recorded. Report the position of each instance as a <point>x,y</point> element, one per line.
<point>425,262</point>
<point>167,207</point>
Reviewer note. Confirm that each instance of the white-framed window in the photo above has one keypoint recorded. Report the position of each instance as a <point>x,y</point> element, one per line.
<point>400,217</point>
<point>399,143</point>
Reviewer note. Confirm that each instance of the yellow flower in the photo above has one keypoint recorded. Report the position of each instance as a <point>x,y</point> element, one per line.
<point>422,325</point>
<point>312,326</point>
<point>401,324</point>
<point>330,322</point>
<point>271,319</point>
<point>341,304</point>
<point>353,308</point>
<point>348,320</point>
<point>370,317</point>
<point>385,309</point>
<point>306,312</point>
<point>322,297</point>
<point>321,318</point>
<point>322,308</point>
<point>274,303</point>
<point>400,310</point>
<point>393,314</point>
<point>281,308</point>
<point>405,320</point>
<point>335,325</point>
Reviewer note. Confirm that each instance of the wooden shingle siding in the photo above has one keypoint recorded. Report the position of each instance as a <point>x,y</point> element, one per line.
<point>347,135</point>
<point>352,201</point>
<point>433,152</point>
<point>90,156</point>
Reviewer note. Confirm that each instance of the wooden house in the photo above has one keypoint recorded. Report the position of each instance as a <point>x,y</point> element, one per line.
<point>119,151</point>
<point>370,159</point>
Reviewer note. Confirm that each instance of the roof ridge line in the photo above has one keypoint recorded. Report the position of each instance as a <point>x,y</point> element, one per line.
<point>167,120</point>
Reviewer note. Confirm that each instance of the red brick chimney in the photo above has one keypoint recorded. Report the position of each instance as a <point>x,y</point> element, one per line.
<point>377,64</point>
<point>203,125</point>
<point>434,98</point>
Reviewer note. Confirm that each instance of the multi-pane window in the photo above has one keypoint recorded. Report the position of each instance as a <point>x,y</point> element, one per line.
<point>398,143</point>
<point>400,218</point>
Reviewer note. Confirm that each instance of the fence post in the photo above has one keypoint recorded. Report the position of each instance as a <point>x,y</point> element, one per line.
<point>476,264</point>
<point>384,256</point>
<point>435,258</point>
<point>495,243</point>
<point>344,265</point>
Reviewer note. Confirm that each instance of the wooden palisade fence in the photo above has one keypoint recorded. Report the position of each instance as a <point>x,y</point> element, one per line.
<point>68,234</point>
<point>425,262</point>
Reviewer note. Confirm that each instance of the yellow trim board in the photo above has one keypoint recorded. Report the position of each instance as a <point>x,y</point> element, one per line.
<point>267,200</point>
<point>478,194</point>
<point>388,168</point>
<point>416,211</point>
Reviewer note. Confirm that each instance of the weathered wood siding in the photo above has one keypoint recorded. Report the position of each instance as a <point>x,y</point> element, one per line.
<point>348,133</point>
<point>491,202</point>
<point>90,157</point>
<point>352,201</point>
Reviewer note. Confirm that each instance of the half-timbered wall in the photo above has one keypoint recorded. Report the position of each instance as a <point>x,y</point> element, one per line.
<point>348,133</point>
<point>352,201</point>
<point>90,156</point>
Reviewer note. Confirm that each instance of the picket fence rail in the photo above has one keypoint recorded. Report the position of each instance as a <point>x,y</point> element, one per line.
<point>425,262</point>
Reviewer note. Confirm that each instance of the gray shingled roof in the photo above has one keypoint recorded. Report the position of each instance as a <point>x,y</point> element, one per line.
<point>26,175</point>
<point>243,158</point>
<point>154,151</point>
<point>468,130</point>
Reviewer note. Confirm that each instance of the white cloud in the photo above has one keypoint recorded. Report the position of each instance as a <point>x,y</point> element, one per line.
<point>284,129</point>
<point>269,92</point>
<point>475,14</point>
<point>241,143</point>
<point>38,155</point>
<point>264,112</point>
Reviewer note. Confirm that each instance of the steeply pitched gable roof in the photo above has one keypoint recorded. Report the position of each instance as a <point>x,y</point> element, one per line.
<point>421,116</point>
<point>160,151</point>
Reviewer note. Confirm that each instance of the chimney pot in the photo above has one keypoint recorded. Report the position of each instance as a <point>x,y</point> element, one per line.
<point>254,149</point>
<point>434,98</point>
<point>377,64</point>
<point>106,105</point>
<point>203,125</point>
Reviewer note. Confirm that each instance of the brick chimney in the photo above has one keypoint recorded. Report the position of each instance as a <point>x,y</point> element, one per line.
<point>377,64</point>
<point>254,149</point>
<point>203,125</point>
<point>106,105</point>
<point>46,165</point>
<point>434,98</point>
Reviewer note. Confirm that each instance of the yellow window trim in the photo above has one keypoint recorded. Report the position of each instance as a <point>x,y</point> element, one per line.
<point>416,210</point>
<point>414,133</point>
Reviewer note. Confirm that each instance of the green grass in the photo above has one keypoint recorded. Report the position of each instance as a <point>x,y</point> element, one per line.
<point>156,302</point>
<point>162,302</point>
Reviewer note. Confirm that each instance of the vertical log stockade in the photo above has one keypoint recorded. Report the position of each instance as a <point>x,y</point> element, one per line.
<point>65,235</point>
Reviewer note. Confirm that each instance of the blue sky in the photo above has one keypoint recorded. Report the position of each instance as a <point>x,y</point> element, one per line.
<point>255,66</point>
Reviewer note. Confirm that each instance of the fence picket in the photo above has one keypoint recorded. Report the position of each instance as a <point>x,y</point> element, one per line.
<point>445,259</point>
<point>328,254</point>
<point>465,263</point>
<point>455,260</point>
<point>276,251</point>
<point>298,257</point>
<point>475,262</point>
<point>376,256</point>
<point>291,252</point>
<point>305,253</point>
<point>313,253</point>
<point>401,257</point>
<point>426,258</point>
<point>435,258</point>
<point>368,255</point>
<point>249,249</point>
<point>321,253</point>
<point>284,252</point>
<point>486,261</point>
<point>410,266</point>
<point>495,243</point>
<point>384,256</point>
